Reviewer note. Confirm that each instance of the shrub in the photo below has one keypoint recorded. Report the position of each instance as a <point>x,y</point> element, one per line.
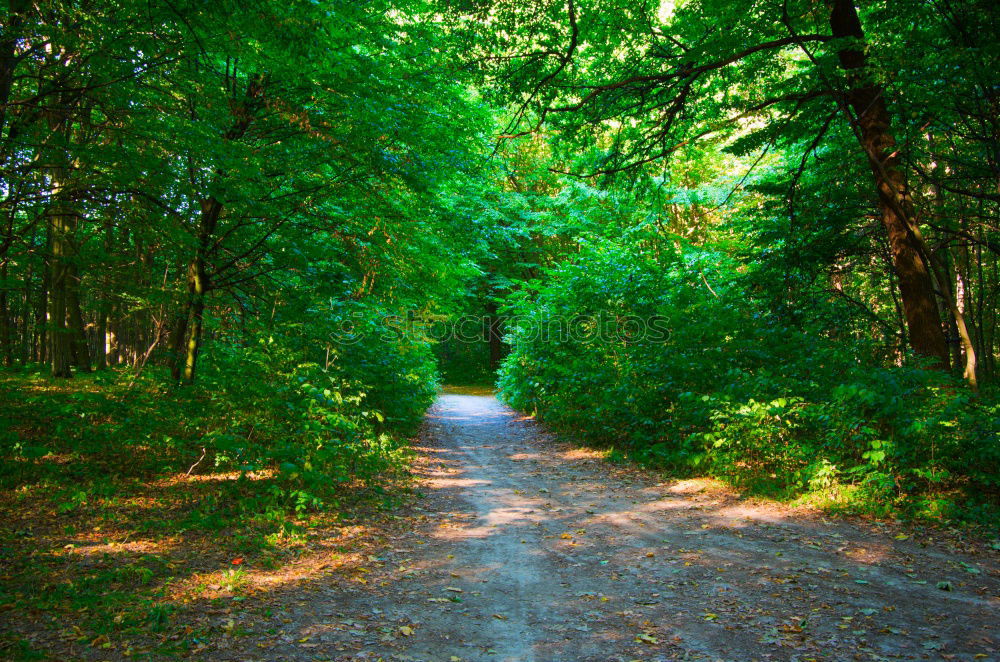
<point>737,393</point>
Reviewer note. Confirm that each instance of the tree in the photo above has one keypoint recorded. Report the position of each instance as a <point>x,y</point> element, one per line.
<point>638,83</point>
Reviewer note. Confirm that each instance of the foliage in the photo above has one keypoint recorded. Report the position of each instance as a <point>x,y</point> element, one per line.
<point>732,392</point>
<point>752,239</point>
<point>291,434</point>
<point>243,466</point>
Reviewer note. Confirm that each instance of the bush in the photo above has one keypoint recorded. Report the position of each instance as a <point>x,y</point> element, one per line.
<point>322,424</point>
<point>304,429</point>
<point>736,393</point>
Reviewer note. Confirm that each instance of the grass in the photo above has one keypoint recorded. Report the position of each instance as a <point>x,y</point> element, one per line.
<point>941,507</point>
<point>116,535</point>
<point>485,389</point>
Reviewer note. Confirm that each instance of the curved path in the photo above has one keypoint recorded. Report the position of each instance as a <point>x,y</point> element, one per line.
<point>528,549</point>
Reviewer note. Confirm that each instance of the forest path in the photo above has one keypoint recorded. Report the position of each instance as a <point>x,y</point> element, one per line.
<point>526,548</point>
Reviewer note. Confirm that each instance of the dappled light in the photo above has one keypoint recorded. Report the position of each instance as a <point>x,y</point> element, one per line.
<point>526,544</point>
<point>506,331</point>
<point>528,536</point>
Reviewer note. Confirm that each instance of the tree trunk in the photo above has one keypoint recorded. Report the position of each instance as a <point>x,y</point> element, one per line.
<point>952,290</point>
<point>198,285</point>
<point>194,338</point>
<point>104,304</point>
<point>6,322</point>
<point>101,346</point>
<point>867,100</point>
<point>9,58</point>
<point>111,341</point>
<point>78,335</point>
<point>60,227</point>
<point>26,310</point>
<point>61,220</point>
<point>40,347</point>
<point>211,208</point>
<point>962,327</point>
<point>175,343</point>
<point>953,333</point>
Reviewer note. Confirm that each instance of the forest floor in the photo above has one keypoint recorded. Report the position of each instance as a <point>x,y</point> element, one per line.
<point>526,548</point>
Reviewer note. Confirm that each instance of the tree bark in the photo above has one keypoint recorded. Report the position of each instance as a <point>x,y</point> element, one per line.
<point>952,289</point>
<point>198,285</point>
<point>8,57</point>
<point>78,335</point>
<point>60,228</point>
<point>872,118</point>
<point>111,341</point>
<point>175,343</point>
<point>40,346</point>
<point>61,220</point>
<point>26,331</point>
<point>101,346</point>
<point>6,322</point>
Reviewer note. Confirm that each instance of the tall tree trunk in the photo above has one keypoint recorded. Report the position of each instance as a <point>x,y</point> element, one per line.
<point>78,335</point>
<point>987,310</point>
<point>960,326</point>
<point>61,219</point>
<point>8,58</point>
<point>953,333</point>
<point>67,342</point>
<point>175,342</point>
<point>913,277</point>
<point>198,285</point>
<point>194,338</point>
<point>26,313</point>
<point>6,322</point>
<point>40,347</point>
<point>101,343</point>
<point>60,229</point>
<point>111,340</point>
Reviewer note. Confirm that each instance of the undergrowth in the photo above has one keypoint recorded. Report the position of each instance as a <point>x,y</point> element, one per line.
<point>125,498</point>
<point>735,392</point>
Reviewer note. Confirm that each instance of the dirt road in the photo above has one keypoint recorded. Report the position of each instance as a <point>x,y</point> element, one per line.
<point>527,549</point>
